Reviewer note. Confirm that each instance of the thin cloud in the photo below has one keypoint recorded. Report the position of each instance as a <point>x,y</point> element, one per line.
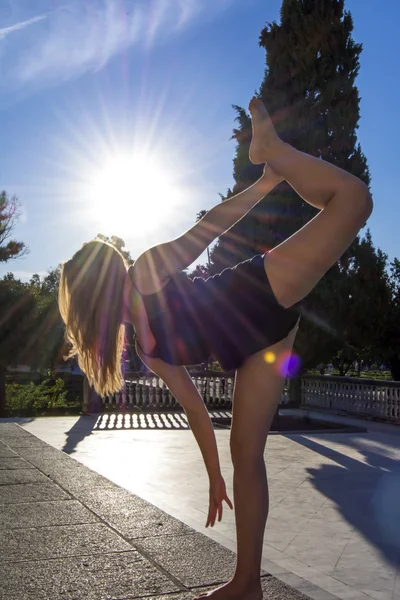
<point>5,31</point>
<point>79,37</point>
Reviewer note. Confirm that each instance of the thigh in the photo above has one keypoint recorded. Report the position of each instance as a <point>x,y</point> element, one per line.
<point>295,266</point>
<point>258,388</point>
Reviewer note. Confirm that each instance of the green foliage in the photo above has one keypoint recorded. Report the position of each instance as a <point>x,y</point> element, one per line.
<point>35,397</point>
<point>10,211</point>
<point>309,89</point>
<point>119,244</point>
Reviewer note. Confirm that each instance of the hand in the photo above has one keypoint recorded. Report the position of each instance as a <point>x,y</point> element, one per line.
<point>217,496</point>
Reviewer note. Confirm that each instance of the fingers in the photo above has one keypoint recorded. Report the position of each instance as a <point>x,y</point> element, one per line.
<point>212,513</point>
<point>220,510</point>
<point>216,509</point>
<point>228,501</point>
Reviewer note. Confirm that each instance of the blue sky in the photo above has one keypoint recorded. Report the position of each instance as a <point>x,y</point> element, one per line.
<point>87,83</point>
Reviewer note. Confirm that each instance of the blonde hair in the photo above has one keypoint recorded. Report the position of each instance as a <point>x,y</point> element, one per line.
<point>91,302</point>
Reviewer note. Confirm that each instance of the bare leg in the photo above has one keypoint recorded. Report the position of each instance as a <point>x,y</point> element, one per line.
<point>258,390</point>
<point>295,266</point>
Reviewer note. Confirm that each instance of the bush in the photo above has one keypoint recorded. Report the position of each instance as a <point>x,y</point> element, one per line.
<point>35,397</point>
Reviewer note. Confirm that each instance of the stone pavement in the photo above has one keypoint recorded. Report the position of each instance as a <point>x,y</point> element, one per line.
<point>68,533</point>
<point>334,524</point>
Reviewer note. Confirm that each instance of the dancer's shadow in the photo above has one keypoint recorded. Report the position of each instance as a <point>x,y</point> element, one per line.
<point>366,494</point>
<point>79,431</point>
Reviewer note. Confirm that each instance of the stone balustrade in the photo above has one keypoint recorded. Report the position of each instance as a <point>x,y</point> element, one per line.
<point>148,392</point>
<point>364,397</point>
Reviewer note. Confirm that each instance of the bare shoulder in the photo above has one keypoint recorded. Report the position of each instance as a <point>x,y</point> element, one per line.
<point>144,275</point>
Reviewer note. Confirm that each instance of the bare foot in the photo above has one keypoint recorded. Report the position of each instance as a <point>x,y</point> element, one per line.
<point>265,139</point>
<point>231,591</point>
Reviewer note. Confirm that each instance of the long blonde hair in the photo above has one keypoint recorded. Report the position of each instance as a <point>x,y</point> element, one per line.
<point>91,302</point>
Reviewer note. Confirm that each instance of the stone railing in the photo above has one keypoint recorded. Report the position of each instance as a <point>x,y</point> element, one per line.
<point>147,392</point>
<point>369,397</point>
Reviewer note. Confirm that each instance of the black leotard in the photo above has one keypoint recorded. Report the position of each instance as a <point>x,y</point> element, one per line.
<point>228,316</point>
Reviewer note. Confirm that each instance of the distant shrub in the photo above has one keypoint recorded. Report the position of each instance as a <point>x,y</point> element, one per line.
<point>35,397</point>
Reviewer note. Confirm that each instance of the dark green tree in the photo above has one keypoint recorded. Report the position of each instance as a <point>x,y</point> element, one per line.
<point>119,244</point>
<point>309,89</point>
<point>17,318</point>
<point>390,340</point>
<point>10,211</point>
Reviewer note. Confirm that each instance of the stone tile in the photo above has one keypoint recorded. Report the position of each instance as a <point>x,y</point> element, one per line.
<point>30,492</point>
<point>361,554</point>
<point>199,561</point>
<point>42,514</point>
<point>72,475</point>
<point>279,538</point>
<point>132,516</point>
<point>24,441</point>
<point>6,452</point>
<point>22,476</point>
<point>15,462</point>
<point>36,455</point>
<point>273,589</point>
<point>125,575</point>
<point>307,588</point>
<point>366,580</point>
<point>58,542</point>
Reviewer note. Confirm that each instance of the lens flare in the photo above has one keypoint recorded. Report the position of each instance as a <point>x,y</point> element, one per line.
<point>288,364</point>
<point>270,357</point>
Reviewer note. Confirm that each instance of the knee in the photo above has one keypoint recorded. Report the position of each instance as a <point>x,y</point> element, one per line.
<point>246,457</point>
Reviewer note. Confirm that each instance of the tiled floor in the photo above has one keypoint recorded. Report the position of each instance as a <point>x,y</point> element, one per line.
<point>335,498</point>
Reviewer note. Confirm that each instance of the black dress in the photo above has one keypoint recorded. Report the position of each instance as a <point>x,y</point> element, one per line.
<point>228,316</point>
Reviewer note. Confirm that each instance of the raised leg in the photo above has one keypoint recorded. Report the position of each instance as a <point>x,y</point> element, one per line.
<point>295,266</point>
<point>258,390</point>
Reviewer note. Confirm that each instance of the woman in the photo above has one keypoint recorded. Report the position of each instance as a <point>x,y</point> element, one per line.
<point>235,316</point>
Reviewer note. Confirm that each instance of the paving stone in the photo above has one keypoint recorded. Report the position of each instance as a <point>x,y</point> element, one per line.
<point>199,561</point>
<point>72,475</point>
<point>132,516</point>
<point>57,542</point>
<point>42,514</point>
<point>5,451</point>
<point>6,428</point>
<point>123,575</point>
<point>22,476</point>
<point>14,462</point>
<point>31,492</point>
<point>37,455</point>
<point>273,589</point>
<point>17,442</point>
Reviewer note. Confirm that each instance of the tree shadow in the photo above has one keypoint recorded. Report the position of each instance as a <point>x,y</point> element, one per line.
<point>366,494</point>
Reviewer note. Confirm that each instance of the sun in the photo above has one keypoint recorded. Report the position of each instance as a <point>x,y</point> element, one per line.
<point>132,194</point>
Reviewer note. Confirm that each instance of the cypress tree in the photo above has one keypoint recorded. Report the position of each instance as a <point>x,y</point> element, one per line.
<point>309,89</point>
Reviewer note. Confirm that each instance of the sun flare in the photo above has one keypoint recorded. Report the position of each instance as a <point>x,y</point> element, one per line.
<point>132,194</point>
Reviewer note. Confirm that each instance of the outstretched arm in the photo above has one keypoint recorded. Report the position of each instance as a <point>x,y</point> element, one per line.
<point>181,385</point>
<point>162,261</point>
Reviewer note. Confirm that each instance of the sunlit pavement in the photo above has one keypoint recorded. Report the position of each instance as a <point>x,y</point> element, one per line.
<point>335,498</point>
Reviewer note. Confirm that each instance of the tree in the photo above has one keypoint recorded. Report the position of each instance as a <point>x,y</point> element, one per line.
<point>390,341</point>
<point>17,315</point>
<point>309,89</point>
<point>51,346</point>
<point>31,329</point>
<point>119,244</point>
<point>10,211</point>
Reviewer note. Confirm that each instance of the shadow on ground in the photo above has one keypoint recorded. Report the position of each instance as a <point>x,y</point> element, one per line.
<point>367,494</point>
